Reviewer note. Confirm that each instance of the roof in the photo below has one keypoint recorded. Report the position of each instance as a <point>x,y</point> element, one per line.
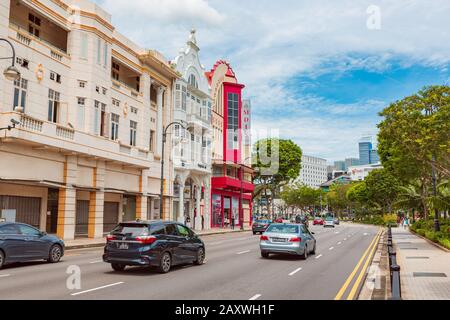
<point>336,180</point>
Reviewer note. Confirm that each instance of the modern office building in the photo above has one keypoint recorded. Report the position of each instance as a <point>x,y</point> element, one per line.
<point>313,172</point>
<point>340,165</point>
<point>192,144</point>
<point>374,157</point>
<point>232,174</point>
<point>350,162</point>
<point>92,106</point>
<point>365,148</point>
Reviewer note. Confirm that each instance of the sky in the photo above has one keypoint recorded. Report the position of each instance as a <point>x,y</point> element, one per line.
<point>317,71</point>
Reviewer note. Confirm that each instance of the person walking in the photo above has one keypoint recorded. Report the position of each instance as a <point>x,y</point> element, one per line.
<point>232,222</point>
<point>405,223</point>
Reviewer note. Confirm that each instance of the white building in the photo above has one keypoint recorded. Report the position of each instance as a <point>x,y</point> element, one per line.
<point>91,106</point>
<point>192,145</point>
<point>359,173</point>
<point>313,172</point>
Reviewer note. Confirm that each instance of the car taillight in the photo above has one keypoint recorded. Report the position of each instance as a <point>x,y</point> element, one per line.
<point>295,239</point>
<point>265,226</point>
<point>264,238</point>
<point>110,237</point>
<point>146,239</point>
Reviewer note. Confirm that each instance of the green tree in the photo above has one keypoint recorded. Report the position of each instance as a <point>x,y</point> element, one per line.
<point>382,189</point>
<point>337,198</point>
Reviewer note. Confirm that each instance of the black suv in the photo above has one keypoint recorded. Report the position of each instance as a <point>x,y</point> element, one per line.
<point>162,244</point>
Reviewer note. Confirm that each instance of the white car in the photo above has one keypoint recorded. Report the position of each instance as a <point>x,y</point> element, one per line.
<point>329,222</point>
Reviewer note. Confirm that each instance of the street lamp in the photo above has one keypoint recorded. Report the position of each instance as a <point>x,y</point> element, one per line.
<point>11,72</point>
<point>164,138</point>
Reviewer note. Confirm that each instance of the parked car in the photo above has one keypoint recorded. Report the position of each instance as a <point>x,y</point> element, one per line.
<point>329,222</point>
<point>336,221</point>
<point>293,239</point>
<point>318,221</point>
<point>259,226</point>
<point>153,243</point>
<point>21,242</point>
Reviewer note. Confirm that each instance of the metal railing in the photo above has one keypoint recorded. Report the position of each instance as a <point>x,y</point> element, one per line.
<point>394,269</point>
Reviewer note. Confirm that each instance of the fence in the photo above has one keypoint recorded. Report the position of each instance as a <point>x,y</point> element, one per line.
<point>394,268</point>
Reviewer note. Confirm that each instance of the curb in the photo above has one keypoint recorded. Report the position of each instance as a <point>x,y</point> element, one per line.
<point>102,244</point>
<point>437,245</point>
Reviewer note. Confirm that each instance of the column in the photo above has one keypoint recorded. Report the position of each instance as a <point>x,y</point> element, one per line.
<point>207,208</point>
<point>67,201</point>
<point>198,219</point>
<point>96,202</point>
<point>141,207</point>
<point>180,216</point>
<point>159,122</point>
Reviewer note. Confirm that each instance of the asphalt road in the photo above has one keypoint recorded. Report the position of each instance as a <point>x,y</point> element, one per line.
<point>234,270</point>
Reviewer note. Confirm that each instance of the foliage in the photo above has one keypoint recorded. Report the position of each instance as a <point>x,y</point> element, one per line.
<point>382,188</point>
<point>425,228</point>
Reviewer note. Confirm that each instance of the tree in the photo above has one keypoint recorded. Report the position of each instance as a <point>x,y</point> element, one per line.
<point>277,162</point>
<point>382,189</point>
<point>337,198</point>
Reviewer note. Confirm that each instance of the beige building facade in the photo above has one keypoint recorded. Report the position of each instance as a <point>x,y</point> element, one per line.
<point>91,106</point>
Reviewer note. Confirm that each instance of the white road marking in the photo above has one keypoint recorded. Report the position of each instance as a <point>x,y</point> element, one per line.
<point>345,239</point>
<point>336,232</point>
<point>366,234</point>
<point>256,296</point>
<point>331,248</point>
<point>94,289</point>
<point>295,271</point>
<point>339,242</point>
<point>96,261</point>
<point>242,252</point>
<point>319,256</point>
<point>4,275</point>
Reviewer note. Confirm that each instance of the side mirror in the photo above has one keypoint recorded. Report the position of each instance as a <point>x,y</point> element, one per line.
<point>43,234</point>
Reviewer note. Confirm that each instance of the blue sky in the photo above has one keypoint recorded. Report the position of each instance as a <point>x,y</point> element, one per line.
<point>314,70</point>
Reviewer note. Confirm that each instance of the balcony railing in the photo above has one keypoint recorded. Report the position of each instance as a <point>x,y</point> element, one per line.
<point>127,89</point>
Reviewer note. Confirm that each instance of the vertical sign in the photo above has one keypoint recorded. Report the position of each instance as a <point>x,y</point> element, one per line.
<point>246,122</point>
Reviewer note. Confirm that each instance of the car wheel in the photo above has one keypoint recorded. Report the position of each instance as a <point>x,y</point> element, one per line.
<point>304,256</point>
<point>200,257</point>
<point>264,254</point>
<point>118,267</point>
<point>2,259</point>
<point>254,232</point>
<point>55,254</point>
<point>165,263</point>
<point>313,252</point>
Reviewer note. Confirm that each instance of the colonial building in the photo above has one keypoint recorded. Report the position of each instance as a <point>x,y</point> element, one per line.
<point>91,106</point>
<point>192,144</point>
<point>232,175</point>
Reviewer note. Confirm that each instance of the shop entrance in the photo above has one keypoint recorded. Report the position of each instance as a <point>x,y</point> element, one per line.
<point>129,208</point>
<point>52,210</point>
<point>82,218</point>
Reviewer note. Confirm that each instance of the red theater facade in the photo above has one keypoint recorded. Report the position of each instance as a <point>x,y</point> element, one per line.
<point>231,182</point>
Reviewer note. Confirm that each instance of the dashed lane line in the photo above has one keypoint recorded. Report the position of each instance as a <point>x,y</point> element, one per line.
<point>319,256</point>
<point>242,252</point>
<point>95,289</point>
<point>295,271</point>
<point>256,296</point>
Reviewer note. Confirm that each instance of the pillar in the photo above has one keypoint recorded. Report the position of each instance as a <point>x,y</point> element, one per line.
<point>207,202</point>
<point>180,215</point>
<point>96,202</point>
<point>67,201</point>
<point>159,122</point>
<point>198,219</point>
<point>141,207</point>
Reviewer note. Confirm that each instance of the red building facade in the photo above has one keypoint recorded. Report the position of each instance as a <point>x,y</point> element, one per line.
<point>231,182</point>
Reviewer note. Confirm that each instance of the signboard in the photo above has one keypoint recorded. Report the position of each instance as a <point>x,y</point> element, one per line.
<point>246,122</point>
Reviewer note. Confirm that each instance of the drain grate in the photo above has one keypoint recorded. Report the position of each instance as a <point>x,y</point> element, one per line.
<point>417,257</point>
<point>429,274</point>
<point>408,248</point>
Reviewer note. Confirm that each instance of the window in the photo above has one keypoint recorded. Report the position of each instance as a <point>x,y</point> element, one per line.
<point>233,120</point>
<point>114,126</point>
<point>133,132</point>
<point>116,102</point>
<point>9,229</point>
<point>183,231</point>
<point>153,94</point>
<point>81,84</point>
<point>104,121</point>
<point>152,140</point>
<point>183,98</point>
<point>81,112</point>
<point>104,90</point>
<point>115,71</point>
<point>105,55</point>
<point>99,48</point>
<point>34,24</point>
<point>84,46</point>
<point>171,230</point>
<point>20,93</point>
<point>28,231</point>
<point>53,106</point>
<point>193,81</point>
<point>134,110</point>
<point>97,89</point>
<point>55,77</point>
<point>96,118</point>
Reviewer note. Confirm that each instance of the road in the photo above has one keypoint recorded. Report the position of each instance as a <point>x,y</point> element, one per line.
<point>234,270</point>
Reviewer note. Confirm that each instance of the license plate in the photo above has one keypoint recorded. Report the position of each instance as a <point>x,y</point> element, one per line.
<point>122,246</point>
<point>278,240</point>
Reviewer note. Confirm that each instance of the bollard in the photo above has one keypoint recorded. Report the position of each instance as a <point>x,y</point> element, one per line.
<point>395,282</point>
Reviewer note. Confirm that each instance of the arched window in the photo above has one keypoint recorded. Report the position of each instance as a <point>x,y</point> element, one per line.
<point>193,81</point>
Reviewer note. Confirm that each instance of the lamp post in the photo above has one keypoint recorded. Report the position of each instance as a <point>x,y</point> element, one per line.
<point>164,138</point>
<point>11,72</point>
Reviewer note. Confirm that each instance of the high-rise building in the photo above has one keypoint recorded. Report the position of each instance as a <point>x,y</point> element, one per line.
<point>365,147</point>
<point>374,157</point>
<point>313,172</point>
<point>340,166</point>
<point>349,162</point>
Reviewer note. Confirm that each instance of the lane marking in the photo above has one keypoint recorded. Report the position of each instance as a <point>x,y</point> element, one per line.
<point>98,288</point>
<point>295,271</point>
<point>331,248</point>
<point>242,252</point>
<point>256,296</point>
<point>319,256</point>
<point>4,275</point>
<point>363,271</point>
<point>352,275</point>
<point>339,242</point>
<point>345,239</point>
<point>214,243</point>
<point>96,261</point>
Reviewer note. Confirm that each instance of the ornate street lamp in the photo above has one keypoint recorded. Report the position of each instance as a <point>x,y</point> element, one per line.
<point>164,138</point>
<point>11,72</point>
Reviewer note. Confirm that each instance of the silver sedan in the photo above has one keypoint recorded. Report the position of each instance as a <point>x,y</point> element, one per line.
<point>286,238</point>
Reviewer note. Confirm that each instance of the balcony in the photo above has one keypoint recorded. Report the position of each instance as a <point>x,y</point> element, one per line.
<point>53,135</point>
<point>126,89</point>
<point>22,36</point>
<point>197,166</point>
<point>125,79</point>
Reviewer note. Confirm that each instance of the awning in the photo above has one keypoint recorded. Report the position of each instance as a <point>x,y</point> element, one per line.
<point>32,182</point>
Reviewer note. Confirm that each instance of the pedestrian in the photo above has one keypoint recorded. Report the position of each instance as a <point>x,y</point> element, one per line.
<point>405,223</point>
<point>232,222</point>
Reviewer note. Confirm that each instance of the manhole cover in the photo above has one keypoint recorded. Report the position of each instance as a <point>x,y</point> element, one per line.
<point>429,274</point>
<point>417,257</point>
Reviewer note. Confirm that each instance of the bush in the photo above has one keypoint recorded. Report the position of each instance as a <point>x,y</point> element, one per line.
<point>444,242</point>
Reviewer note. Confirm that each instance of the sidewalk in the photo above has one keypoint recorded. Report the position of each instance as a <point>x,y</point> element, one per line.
<point>425,269</point>
<point>100,242</point>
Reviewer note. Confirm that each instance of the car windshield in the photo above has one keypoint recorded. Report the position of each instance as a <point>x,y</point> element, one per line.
<point>262,221</point>
<point>281,228</point>
<point>330,219</point>
<point>131,230</point>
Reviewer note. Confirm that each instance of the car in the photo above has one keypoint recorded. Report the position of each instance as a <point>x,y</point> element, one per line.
<point>278,220</point>
<point>160,244</point>
<point>318,221</point>
<point>302,220</point>
<point>292,239</point>
<point>336,221</point>
<point>329,222</point>
<point>20,242</point>
<point>259,226</point>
